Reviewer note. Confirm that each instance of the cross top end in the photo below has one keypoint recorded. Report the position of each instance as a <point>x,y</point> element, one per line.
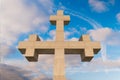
<point>59,17</point>
<point>60,12</point>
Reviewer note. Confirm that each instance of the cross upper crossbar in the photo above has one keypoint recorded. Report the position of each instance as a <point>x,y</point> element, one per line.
<point>59,47</point>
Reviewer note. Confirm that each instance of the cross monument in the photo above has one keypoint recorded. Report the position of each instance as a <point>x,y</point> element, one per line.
<point>59,47</point>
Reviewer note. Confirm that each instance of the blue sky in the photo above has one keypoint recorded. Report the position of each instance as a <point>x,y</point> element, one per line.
<point>98,18</point>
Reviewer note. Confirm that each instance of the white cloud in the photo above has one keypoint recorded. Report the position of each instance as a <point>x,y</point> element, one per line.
<point>96,65</point>
<point>47,5</point>
<point>66,34</point>
<point>84,29</point>
<point>17,17</point>
<point>43,29</point>
<point>52,34</point>
<point>106,35</point>
<point>118,17</point>
<point>73,39</point>
<point>100,34</point>
<point>70,32</point>
<point>100,5</point>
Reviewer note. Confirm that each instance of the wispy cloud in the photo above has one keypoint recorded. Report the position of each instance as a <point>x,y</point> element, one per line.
<point>118,17</point>
<point>91,21</point>
<point>100,5</point>
<point>73,31</point>
<point>19,18</point>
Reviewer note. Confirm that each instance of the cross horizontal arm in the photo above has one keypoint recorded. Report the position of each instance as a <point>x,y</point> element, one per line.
<point>85,47</point>
<point>51,45</point>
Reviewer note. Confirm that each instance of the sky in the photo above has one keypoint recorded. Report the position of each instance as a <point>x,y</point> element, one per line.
<point>98,18</point>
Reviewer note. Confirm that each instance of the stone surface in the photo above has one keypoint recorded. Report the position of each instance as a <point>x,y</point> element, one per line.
<point>59,47</point>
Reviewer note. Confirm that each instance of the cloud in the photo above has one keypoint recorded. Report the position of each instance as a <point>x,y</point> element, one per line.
<point>21,73</point>
<point>100,34</point>
<point>43,69</point>
<point>71,32</point>
<point>106,35</point>
<point>51,35</point>
<point>12,73</point>
<point>43,29</point>
<point>47,5</point>
<point>96,65</point>
<point>19,18</point>
<point>73,39</point>
<point>118,17</point>
<point>67,34</point>
<point>100,5</point>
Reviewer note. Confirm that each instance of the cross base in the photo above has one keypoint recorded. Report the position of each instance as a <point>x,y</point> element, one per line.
<point>59,78</point>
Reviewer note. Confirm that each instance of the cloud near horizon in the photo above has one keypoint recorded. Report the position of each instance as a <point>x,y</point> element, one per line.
<point>9,72</point>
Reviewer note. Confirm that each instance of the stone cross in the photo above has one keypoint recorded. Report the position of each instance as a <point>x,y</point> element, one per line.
<point>59,47</point>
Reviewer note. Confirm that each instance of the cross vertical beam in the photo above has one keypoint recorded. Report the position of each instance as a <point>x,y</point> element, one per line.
<point>59,63</point>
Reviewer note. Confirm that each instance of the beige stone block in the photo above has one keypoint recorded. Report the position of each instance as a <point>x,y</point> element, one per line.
<point>31,55</point>
<point>59,63</point>
<point>34,37</point>
<point>59,77</point>
<point>85,38</point>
